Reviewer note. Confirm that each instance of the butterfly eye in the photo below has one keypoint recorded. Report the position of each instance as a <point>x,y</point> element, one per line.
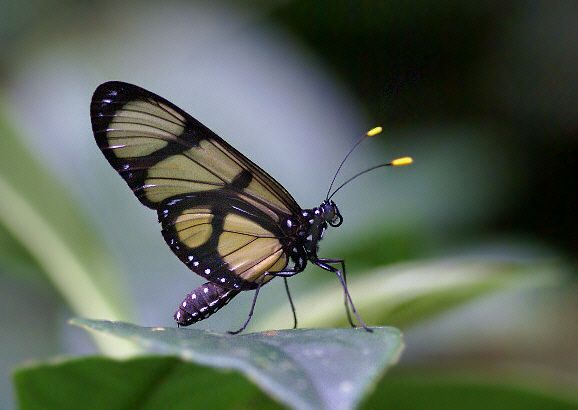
<point>337,220</point>
<point>332,214</point>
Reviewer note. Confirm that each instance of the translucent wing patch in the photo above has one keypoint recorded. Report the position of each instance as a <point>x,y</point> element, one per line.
<point>249,249</point>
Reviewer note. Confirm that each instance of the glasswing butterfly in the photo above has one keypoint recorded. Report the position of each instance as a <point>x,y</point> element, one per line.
<point>225,218</point>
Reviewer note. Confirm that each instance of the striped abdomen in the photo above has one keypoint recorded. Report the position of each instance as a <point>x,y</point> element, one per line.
<point>202,302</point>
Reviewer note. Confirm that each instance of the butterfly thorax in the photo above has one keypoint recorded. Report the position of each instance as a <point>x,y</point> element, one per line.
<point>308,230</point>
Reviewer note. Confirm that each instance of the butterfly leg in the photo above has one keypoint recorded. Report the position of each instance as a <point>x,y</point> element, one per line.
<point>291,303</point>
<point>326,264</point>
<point>252,308</point>
<point>345,301</point>
<point>286,274</point>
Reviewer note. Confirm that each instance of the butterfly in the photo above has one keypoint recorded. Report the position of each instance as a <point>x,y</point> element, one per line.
<point>224,217</point>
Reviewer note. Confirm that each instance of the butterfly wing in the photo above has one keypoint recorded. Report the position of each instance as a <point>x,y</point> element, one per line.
<point>219,211</point>
<point>223,237</point>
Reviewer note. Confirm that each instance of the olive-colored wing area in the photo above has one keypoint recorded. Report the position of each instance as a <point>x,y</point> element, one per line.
<point>223,238</point>
<point>161,151</point>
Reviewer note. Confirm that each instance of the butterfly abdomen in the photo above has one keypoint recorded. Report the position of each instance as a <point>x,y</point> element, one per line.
<point>202,302</point>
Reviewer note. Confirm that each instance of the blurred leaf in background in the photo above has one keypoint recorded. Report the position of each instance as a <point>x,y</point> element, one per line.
<point>481,230</point>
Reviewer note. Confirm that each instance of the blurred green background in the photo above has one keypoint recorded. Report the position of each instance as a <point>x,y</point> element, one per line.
<point>483,95</point>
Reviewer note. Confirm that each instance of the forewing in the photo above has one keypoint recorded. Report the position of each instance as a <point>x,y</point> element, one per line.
<point>162,152</point>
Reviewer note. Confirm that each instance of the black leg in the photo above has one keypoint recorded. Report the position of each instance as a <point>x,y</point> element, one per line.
<point>291,303</point>
<point>345,300</point>
<point>325,264</point>
<point>252,308</point>
<point>287,274</point>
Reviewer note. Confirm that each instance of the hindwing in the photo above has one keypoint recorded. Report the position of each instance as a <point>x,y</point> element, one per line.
<point>223,238</point>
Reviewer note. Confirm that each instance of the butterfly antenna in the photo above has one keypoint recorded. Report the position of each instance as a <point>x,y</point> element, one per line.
<point>395,163</point>
<point>370,133</point>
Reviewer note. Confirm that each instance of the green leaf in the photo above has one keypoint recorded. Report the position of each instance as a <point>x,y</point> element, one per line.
<point>152,382</point>
<point>155,382</point>
<point>304,368</point>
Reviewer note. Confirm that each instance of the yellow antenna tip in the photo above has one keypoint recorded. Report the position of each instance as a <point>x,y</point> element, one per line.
<point>374,131</point>
<point>401,161</point>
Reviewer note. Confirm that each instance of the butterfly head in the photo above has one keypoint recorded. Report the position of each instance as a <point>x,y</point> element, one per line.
<point>331,213</point>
